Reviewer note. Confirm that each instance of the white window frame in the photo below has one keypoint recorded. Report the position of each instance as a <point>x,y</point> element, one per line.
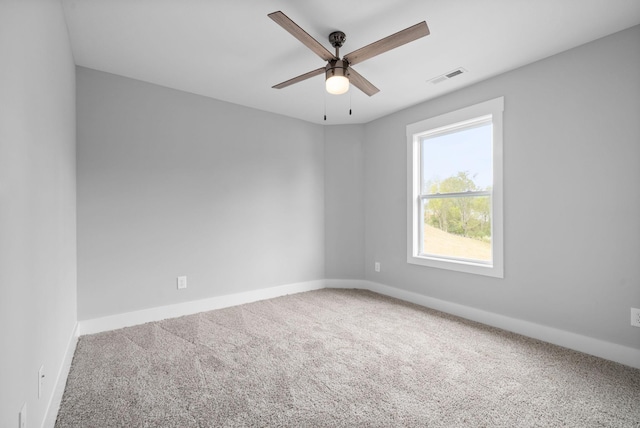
<point>448,121</point>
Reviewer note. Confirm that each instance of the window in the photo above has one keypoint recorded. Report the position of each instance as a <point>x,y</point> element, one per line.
<point>454,203</point>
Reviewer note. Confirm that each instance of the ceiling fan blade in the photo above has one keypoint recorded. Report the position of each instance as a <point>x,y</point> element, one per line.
<point>300,78</point>
<point>391,42</point>
<point>361,83</point>
<point>285,22</point>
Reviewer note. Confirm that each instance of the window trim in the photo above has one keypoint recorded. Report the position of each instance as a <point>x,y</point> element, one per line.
<point>415,132</point>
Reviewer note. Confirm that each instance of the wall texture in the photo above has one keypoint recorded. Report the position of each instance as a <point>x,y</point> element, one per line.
<point>344,202</point>
<point>172,184</point>
<point>571,168</point>
<point>37,204</point>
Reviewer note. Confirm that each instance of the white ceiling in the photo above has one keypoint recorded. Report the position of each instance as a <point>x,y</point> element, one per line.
<point>230,50</point>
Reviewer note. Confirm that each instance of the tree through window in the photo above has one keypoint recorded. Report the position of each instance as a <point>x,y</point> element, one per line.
<point>457,178</point>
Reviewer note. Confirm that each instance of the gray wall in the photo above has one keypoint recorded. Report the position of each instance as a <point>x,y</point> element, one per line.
<point>37,204</point>
<point>237,199</point>
<point>171,184</point>
<point>344,202</point>
<point>572,170</point>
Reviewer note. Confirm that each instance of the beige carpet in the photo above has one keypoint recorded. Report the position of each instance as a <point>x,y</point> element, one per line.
<point>338,358</point>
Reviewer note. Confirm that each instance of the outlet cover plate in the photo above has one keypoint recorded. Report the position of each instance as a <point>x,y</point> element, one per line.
<point>635,317</point>
<point>182,282</point>
<point>22,416</point>
<point>40,380</point>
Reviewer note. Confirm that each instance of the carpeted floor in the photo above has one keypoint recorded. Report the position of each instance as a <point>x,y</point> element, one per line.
<point>338,358</point>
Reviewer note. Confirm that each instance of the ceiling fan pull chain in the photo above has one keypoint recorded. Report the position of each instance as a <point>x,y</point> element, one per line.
<point>349,103</point>
<point>325,106</point>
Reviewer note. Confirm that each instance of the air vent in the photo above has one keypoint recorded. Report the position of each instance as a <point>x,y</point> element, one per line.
<point>447,76</point>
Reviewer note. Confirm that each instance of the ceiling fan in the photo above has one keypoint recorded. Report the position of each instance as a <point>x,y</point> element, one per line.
<point>338,72</point>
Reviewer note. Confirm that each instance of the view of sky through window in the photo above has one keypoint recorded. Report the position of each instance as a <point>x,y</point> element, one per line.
<point>467,150</point>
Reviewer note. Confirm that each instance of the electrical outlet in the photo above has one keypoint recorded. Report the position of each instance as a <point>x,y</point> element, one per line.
<point>182,282</point>
<point>377,266</point>
<point>40,380</point>
<point>22,416</point>
<point>635,317</point>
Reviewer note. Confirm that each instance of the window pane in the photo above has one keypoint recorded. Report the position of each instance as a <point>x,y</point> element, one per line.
<point>457,161</point>
<point>457,227</point>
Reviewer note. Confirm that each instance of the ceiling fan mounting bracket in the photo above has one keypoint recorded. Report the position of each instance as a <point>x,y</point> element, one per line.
<point>337,39</point>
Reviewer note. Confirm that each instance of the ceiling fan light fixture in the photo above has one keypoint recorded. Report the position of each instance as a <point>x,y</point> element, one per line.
<point>337,85</point>
<point>337,80</point>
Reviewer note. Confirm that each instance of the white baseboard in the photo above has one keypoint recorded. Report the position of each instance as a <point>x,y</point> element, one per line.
<point>53,406</point>
<point>589,345</point>
<point>128,319</point>
<point>599,348</point>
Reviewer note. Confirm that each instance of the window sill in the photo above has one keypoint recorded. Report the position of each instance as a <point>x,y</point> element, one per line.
<point>458,265</point>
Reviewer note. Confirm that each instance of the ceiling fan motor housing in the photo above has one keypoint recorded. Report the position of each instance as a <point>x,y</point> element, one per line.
<point>337,67</point>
